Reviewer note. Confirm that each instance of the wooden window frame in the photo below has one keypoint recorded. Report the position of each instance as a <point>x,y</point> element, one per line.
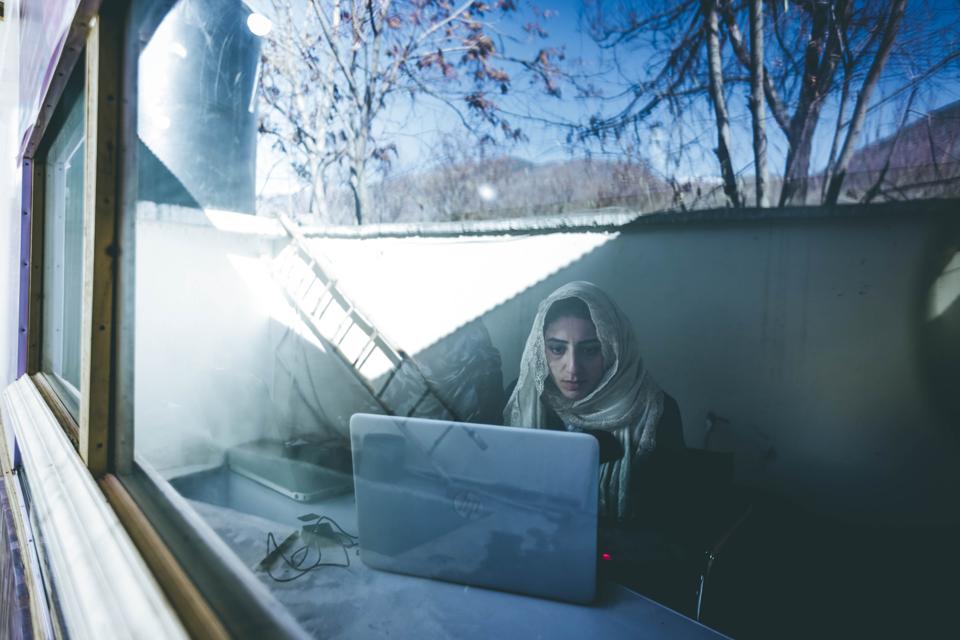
<point>35,207</point>
<point>184,555</point>
<point>93,38</point>
<point>194,556</point>
<point>34,412</point>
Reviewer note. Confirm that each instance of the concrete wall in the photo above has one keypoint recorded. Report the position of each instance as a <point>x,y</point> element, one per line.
<point>202,355</point>
<point>807,331</point>
<point>806,336</point>
<point>220,357</point>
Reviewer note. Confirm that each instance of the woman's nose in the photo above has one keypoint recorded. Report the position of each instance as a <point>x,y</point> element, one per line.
<point>572,362</point>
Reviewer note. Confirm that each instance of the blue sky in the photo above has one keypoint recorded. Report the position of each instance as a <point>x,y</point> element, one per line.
<point>416,127</point>
<point>566,29</point>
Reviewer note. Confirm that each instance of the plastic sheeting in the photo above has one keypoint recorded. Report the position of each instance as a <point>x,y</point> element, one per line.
<point>43,32</point>
<point>463,372</point>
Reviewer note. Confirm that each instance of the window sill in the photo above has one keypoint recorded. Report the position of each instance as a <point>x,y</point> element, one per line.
<point>64,418</point>
<point>103,587</point>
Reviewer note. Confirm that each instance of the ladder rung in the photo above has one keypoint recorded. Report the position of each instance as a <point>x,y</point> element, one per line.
<point>436,443</point>
<point>393,374</point>
<point>330,299</point>
<point>365,352</point>
<point>416,405</point>
<point>323,295</point>
<point>361,364</point>
<point>308,292</point>
<point>345,325</point>
<point>301,288</point>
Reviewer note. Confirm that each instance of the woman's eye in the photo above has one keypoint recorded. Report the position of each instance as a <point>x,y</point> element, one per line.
<point>591,351</point>
<point>555,349</point>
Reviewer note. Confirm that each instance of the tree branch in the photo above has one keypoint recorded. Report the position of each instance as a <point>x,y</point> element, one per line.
<point>712,26</point>
<point>863,99</point>
<point>777,106</point>
<point>758,76</point>
<point>874,190</point>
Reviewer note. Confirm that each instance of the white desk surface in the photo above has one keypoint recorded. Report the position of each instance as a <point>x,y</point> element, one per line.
<point>359,602</point>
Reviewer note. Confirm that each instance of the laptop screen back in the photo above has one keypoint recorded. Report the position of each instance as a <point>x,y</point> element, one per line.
<point>500,507</point>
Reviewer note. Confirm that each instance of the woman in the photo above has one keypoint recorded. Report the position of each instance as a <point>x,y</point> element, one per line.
<point>581,370</point>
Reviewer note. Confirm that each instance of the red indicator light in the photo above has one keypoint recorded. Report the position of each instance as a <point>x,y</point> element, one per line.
<point>606,556</point>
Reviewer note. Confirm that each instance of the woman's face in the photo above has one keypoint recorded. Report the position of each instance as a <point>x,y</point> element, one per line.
<point>573,356</point>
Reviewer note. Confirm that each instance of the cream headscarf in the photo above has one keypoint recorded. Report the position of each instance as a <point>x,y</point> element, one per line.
<point>626,402</point>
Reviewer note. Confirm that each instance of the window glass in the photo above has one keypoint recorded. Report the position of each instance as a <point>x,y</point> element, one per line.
<point>63,253</point>
<point>350,206</point>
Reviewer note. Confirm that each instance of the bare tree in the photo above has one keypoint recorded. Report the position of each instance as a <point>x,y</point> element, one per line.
<point>719,101</point>
<point>297,111</point>
<point>890,28</point>
<point>332,70</point>
<point>828,23</point>
<point>877,186</point>
<point>757,112</point>
<point>813,45</point>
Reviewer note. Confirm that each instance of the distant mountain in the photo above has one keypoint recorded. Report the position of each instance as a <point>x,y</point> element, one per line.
<point>506,187</point>
<point>921,160</point>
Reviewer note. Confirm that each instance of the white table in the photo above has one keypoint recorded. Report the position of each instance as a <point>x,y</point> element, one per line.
<point>359,602</point>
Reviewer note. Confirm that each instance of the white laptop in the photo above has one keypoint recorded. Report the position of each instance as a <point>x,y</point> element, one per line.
<point>491,506</point>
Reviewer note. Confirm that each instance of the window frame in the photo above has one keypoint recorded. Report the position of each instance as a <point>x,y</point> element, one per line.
<point>94,578</point>
<point>35,414</point>
<point>186,558</point>
<point>34,209</point>
<point>65,397</point>
<point>194,563</point>
<point>92,43</point>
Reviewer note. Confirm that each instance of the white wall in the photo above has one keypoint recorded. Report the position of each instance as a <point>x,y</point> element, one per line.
<point>803,334</point>
<point>202,357</point>
<point>220,356</point>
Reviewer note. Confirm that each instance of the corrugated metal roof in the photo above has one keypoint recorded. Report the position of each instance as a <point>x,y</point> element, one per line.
<point>395,281</point>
